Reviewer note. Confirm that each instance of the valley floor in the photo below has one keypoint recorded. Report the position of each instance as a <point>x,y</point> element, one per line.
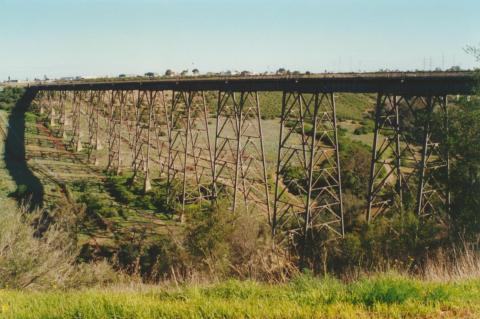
<point>382,296</point>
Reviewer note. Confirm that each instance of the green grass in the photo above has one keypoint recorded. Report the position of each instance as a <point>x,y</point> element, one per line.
<point>384,296</point>
<point>349,106</point>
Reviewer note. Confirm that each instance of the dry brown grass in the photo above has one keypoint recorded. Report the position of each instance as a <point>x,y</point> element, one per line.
<point>456,264</point>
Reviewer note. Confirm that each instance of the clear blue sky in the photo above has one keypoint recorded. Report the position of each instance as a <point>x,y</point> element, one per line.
<point>108,37</point>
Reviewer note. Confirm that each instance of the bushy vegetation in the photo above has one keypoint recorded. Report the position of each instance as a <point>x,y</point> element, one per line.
<point>38,254</point>
<point>128,191</point>
<point>464,145</point>
<point>211,242</point>
<point>9,97</point>
<point>367,126</point>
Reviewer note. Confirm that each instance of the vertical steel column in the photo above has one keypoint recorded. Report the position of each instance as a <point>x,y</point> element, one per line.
<point>238,115</point>
<point>447,153</point>
<point>308,195</point>
<point>425,151</point>
<point>63,114</point>
<point>174,138</point>
<point>262,155</point>
<point>133,123</point>
<point>111,123</point>
<point>93,125</point>
<point>279,167</point>
<point>337,154</point>
<point>433,194</point>
<point>185,140</point>
<point>51,97</point>
<point>68,122</point>
<point>98,108</point>
<point>117,105</point>
<point>160,125</point>
<point>170,160</point>
<point>136,129</point>
<point>209,146</point>
<point>151,97</point>
<point>40,99</point>
<point>76,120</point>
<point>122,105</point>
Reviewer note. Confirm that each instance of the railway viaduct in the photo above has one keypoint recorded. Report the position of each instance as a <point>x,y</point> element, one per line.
<point>164,127</point>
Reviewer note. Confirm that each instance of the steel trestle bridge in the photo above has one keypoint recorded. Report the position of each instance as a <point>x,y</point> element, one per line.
<point>163,126</point>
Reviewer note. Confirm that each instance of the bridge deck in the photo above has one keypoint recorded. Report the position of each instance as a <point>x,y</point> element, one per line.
<point>409,83</point>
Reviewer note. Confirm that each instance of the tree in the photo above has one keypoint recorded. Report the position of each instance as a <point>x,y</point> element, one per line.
<point>195,72</point>
<point>169,72</point>
<point>464,149</point>
<point>464,146</point>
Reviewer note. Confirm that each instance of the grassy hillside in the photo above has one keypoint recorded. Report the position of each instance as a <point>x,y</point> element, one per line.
<point>349,106</point>
<point>385,296</point>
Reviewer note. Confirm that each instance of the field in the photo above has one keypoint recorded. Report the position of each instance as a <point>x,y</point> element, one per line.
<point>385,296</point>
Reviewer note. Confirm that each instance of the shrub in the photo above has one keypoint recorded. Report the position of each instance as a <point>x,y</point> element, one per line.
<point>205,237</point>
<point>28,260</point>
<point>130,192</point>
<point>9,96</point>
<point>361,130</point>
<point>355,160</point>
